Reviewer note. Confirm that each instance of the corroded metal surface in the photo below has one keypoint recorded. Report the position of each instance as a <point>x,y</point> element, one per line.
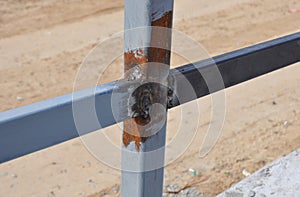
<point>138,57</point>
<point>146,61</point>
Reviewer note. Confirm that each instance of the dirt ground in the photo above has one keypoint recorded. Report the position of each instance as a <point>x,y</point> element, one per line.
<point>42,44</point>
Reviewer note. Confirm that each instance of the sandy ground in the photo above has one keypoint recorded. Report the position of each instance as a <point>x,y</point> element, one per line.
<point>42,44</point>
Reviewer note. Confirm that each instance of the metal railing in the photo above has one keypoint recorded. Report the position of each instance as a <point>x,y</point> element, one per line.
<point>43,124</point>
<point>40,125</point>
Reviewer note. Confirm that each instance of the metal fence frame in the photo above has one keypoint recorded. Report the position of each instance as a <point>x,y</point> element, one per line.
<point>43,124</point>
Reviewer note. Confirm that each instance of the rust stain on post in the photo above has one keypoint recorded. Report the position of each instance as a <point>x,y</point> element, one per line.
<point>132,59</point>
<point>133,127</point>
<point>161,55</point>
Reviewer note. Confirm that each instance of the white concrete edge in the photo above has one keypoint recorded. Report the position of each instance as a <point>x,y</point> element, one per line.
<point>280,178</point>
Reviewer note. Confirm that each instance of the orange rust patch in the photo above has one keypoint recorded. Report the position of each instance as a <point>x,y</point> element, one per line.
<point>132,59</point>
<point>132,134</point>
<point>164,21</point>
<point>132,129</point>
<point>161,39</point>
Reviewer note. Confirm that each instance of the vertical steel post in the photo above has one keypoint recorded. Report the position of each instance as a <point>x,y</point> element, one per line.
<point>138,177</point>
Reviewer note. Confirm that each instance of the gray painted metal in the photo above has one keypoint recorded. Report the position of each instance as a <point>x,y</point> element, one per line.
<point>240,65</point>
<point>40,125</point>
<point>139,178</point>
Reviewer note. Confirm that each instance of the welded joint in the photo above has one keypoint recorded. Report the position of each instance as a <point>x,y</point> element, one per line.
<point>144,96</point>
<point>172,96</point>
<point>143,99</point>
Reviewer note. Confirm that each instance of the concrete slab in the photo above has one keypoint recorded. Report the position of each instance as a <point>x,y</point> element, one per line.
<point>280,178</point>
